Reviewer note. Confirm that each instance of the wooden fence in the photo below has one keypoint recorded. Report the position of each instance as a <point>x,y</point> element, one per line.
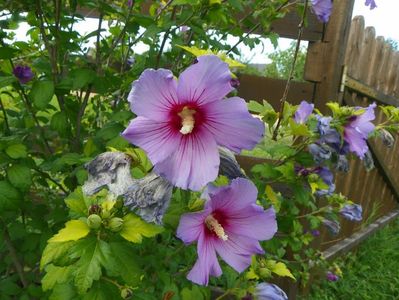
<point>348,64</point>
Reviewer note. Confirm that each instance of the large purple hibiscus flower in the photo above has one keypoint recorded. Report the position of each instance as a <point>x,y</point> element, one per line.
<point>322,9</point>
<point>357,130</point>
<point>230,225</point>
<point>181,123</point>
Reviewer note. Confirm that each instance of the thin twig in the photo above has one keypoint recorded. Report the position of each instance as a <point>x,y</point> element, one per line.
<point>288,84</point>
<point>47,176</point>
<point>14,257</point>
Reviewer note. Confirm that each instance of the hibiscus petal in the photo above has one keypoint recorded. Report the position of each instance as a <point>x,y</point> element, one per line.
<point>194,163</point>
<point>206,81</point>
<point>191,226</point>
<point>232,125</point>
<point>158,139</point>
<point>237,251</point>
<point>357,143</point>
<point>240,194</point>
<point>253,222</point>
<point>153,94</point>
<point>206,264</point>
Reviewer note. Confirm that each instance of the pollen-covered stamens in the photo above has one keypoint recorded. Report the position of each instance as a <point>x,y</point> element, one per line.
<point>214,225</point>
<point>187,120</point>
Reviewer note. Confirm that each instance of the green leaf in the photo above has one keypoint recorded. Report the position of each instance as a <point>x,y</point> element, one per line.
<point>42,92</point>
<point>20,176</point>
<point>76,203</point>
<point>273,198</point>
<point>96,254</point>
<point>63,292</point>
<point>56,275</point>
<point>82,77</point>
<point>16,151</point>
<point>298,129</point>
<point>7,52</point>
<point>6,80</point>
<point>9,196</point>
<point>53,252</point>
<point>59,122</point>
<point>102,290</point>
<point>135,228</point>
<point>123,263</point>
<point>281,270</point>
<point>73,230</point>
<point>194,293</point>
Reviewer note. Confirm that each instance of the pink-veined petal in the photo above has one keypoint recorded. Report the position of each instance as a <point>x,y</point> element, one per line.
<point>233,198</point>
<point>191,226</point>
<point>232,125</point>
<point>206,81</point>
<point>153,94</point>
<point>194,163</point>
<point>157,139</point>
<point>206,264</point>
<point>253,222</point>
<point>237,250</point>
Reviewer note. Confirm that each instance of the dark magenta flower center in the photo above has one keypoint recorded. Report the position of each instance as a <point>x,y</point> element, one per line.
<point>186,118</point>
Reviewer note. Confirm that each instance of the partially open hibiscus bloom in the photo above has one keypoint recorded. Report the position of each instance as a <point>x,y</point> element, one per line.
<point>358,129</point>
<point>181,123</point>
<point>231,225</point>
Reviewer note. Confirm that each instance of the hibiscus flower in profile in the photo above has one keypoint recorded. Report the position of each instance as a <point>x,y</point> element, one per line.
<point>358,129</point>
<point>231,225</point>
<point>180,124</point>
<point>322,9</point>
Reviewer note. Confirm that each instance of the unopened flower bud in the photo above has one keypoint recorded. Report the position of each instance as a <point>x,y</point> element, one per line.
<point>265,272</point>
<point>126,293</point>
<point>387,138</point>
<point>105,214</point>
<point>115,224</point>
<point>94,221</point>
<point>94,209</point>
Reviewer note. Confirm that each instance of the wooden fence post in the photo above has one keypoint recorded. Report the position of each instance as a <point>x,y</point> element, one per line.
<point>325,60</point>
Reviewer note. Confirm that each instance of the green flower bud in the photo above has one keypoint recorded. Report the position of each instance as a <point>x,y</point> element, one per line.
<point>126,293</point>
<point>265,272</point>
<point>94,221</point>
<point>115,224</point>
<point>105,214</point>
<point>313,178</point>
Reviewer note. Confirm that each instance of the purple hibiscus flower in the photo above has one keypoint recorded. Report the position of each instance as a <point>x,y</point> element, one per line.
<point>370,3</point>
<point>231,225</point>
<point>327,176</point>
<point>322,9</point>
<point>23,73</point>
<point>181,123</point>
<point>269,291</point>
<point>303,112</point>
<point>357,130</point>
<point>352,212</point>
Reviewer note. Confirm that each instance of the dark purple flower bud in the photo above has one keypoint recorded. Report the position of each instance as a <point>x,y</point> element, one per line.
<point>387,138</point>
<point>315,232</point>
<point>342,164</point>
<point>94,209</point>
<point>129,3</point>
<point>303,112</point>
<point>269,291</point>
<point>322,9</point>
<point>320,152</point>
<point>358,129</point>
<point>370,3</point>
<point>235,83</point>
<point>332,226</point>
<point>368,161</point>
<point>23,73</point>
<point>331,276</point>
<point>352,212</point>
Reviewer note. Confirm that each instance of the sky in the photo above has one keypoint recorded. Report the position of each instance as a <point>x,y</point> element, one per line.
<point>384,19</point>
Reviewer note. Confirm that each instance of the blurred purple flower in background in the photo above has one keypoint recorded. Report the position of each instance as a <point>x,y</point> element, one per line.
<point>358,129</point>
<point>370,3</point>
<point>331,276</point>
<point>352,212</point>
<point>231,225</point>
<point>269,291</point>
<point>303,112</point>
<point>23,73</point>
<point>315,233</point>
<point>180,124</point>
<point>327,176</point>
<point>320,152</point>
<point>322,9</point>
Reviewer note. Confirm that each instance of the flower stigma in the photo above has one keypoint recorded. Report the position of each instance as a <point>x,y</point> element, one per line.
<point>187,120</point>
<point>214,225</point>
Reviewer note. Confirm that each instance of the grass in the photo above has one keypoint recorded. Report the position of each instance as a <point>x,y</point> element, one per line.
<point>372,273</point>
